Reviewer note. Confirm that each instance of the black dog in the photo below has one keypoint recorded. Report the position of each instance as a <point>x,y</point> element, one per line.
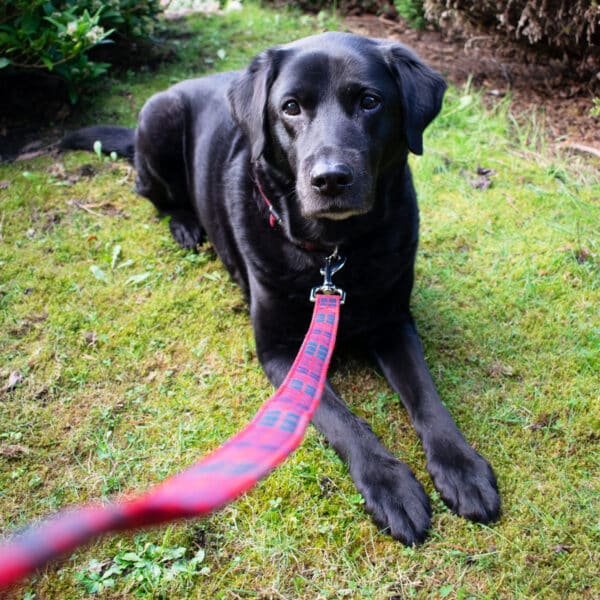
<point>320,129</point>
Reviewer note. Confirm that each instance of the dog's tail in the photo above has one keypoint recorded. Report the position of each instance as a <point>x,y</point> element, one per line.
<point>112,138</point>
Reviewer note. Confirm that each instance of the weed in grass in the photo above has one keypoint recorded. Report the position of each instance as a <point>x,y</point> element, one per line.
<point>148,568</point>
<point>135,358</point>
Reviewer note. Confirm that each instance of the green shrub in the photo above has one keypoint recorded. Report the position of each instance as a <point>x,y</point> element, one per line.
<point>131,18</point>
<point>412,12</point>
<point>55,36</point>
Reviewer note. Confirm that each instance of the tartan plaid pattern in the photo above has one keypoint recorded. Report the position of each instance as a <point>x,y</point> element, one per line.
<point>274,433</point>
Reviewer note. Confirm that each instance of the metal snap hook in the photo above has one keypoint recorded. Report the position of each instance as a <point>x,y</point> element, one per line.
<point>333,263</point>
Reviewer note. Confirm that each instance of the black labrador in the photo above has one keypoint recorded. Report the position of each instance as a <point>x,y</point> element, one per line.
<point>305,151</point>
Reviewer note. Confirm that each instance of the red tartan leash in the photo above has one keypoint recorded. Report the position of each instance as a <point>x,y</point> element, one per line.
<point>272,435</point>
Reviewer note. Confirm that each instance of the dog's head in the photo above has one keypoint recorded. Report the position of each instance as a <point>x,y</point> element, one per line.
<point>335,112</point>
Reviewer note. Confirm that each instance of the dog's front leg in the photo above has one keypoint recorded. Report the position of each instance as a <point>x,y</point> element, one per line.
<point>393,496</point>
<point>463,478</point>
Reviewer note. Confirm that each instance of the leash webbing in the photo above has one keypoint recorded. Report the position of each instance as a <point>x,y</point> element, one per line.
<point>274,433</point>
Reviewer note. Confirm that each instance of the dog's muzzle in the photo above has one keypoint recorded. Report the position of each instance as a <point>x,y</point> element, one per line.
<point>335,185</point>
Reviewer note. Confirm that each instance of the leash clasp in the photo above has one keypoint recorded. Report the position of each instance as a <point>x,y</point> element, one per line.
<point>333,263</point>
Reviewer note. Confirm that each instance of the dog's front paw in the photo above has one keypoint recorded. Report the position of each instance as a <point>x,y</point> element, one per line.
<point>185,230</point>
<point>465,481</point>
<point>396,500</point>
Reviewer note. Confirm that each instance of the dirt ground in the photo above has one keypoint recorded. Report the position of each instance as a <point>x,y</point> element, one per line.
<point>491,65</point>
<point>499,69</point>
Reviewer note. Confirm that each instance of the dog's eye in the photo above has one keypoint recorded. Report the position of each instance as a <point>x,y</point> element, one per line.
<point>291,108</point>
<point>369,102</point>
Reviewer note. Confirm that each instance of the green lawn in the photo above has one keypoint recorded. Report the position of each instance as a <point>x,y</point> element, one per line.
<point>137,358</point>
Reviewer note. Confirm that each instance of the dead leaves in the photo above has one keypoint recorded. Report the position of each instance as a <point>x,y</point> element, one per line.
<point>13,451</point>
<point>544,421</point>
<point>58,171</point>
<point>24,326</point>
<point>14,379</point>
<point>60,176</point>
<point>484,178</point>
<point>498,370</point>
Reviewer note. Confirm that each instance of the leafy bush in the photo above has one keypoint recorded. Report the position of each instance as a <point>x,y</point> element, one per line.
<point>55,36</point>
<point>412,12</point>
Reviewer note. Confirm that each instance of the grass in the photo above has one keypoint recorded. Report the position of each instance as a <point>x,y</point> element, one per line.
<point>137,358</point>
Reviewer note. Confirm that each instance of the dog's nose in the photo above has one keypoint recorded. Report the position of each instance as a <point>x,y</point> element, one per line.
<point>331,179</point>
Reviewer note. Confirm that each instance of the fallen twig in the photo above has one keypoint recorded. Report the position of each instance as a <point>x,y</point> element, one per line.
<point>581,148</point>
<point>84,207</point>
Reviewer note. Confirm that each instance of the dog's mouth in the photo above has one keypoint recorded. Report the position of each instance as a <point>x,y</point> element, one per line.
<point>337,214</point>
<point>353,203</point>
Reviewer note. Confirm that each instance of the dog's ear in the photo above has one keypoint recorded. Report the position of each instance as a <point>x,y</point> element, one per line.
<point>421,88</point>
<point>248,96</point>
